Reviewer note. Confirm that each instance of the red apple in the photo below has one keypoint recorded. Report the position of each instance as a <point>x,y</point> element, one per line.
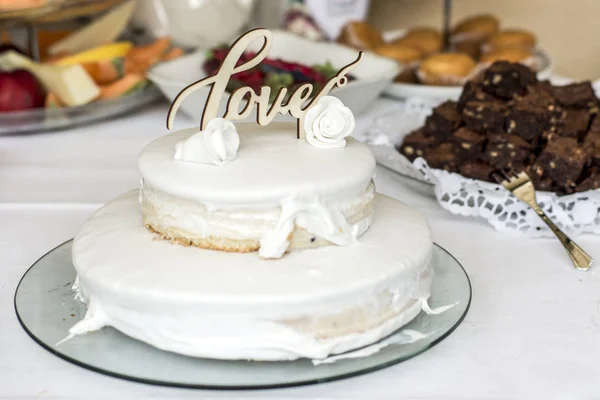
<point>20,90</point>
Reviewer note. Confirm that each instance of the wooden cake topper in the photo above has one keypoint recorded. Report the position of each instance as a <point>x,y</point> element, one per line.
<point>264,113</point>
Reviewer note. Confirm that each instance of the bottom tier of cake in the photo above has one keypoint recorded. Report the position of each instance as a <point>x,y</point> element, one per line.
<point>215,304</point>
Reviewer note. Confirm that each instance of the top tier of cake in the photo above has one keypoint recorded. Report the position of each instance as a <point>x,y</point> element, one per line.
<point>276,185</point>
<point>271,166</point>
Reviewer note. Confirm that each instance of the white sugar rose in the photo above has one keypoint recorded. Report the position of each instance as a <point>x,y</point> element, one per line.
<point>217,144</point>
<point>328,122</point>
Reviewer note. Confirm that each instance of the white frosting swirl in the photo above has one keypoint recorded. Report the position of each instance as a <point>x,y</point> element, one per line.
<point>217,144</point>
<point>328,122</point>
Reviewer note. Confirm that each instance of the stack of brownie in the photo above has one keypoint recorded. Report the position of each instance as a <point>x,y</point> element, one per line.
<point>508,120</point>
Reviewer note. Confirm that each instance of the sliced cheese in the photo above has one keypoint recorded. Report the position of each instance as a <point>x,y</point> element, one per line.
<point>103,30</point>
<point>100,53</point>
<point>70,83</point>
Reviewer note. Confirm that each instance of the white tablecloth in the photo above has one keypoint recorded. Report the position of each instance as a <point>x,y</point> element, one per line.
<point>533,330</point>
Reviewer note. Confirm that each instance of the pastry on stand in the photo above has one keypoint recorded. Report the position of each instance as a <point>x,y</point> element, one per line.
<point>451,56</point>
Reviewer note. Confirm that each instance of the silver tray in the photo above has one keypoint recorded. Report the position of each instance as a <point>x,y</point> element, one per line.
<point>43,119</point>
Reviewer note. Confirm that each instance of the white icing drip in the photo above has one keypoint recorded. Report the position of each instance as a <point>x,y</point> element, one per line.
<point>75,286</point>
<point>309,213</point>
<point>328,123</point>
<point>435,311</point>
<point>275,242</point>
<point>217,144</point>
<point>94,320</point>
<point>405,336</point>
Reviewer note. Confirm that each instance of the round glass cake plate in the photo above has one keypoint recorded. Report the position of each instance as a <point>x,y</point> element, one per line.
<point>40,120</point>
<point>45,307</point>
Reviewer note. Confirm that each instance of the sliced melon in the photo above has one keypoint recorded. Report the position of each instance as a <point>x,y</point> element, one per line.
<point>150,53</point>
<point>105,52</point>
<point>126,85</point>
<point>105,71</point>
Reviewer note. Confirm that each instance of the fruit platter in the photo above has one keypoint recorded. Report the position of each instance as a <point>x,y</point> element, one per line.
<point>84,75</point>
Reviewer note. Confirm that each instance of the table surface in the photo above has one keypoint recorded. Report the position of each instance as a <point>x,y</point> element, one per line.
<point>533,330</point>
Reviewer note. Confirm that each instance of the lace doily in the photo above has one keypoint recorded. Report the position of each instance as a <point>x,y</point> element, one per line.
<point>574,214</point>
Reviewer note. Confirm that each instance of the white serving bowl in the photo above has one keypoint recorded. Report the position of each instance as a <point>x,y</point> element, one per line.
<point>437,94</point>
<point>373,74</point>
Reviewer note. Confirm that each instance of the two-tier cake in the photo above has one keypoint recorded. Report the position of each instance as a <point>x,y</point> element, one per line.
<point>247,242</point>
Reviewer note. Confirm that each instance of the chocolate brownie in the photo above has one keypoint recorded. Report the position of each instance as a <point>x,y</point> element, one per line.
<point>477,170</point>
<point>504,151</point>
<point>443,156</point>
<point>507,80</point>
<point>577,95</point>
<point>595,125</point>
<point>590,181</point>
<point>472,92</point>
<point>530,120</point>
<point>574,124</point>
<point>561,160</point>
<point>543,184</point>
<point>540,182</point>
<point>484,117</point>
<point>544,99</point>
<point>541,86</point>
<point>415,143</point>
<point>443,120</point>
<point>506,119</point>
<point>591,145</point>
<point>469,144</point>
<point>539,97</point>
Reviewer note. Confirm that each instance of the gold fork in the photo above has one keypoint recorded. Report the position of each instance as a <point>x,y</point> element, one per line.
<point>521,187</point>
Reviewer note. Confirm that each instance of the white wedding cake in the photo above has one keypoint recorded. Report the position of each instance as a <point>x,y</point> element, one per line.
<point>255,241</point>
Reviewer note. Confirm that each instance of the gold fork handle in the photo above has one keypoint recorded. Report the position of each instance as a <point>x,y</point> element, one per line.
<point>580,258</point>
